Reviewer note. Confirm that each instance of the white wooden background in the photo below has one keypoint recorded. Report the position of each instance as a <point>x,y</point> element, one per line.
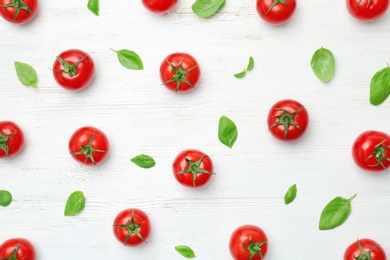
<point>141,116</point>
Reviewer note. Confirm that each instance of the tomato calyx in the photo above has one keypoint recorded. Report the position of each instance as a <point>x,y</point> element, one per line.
<point>88,150</point>
<point>254,248</point>
<point>275,3</point>
<point>132,228</point>
<point>363,254</point>
<point>379,154</point>
<point>18,5</point>
<point>70,69</point>
<point>368,3</point>
<point>286,120</point>
<point>194,168</point>
<point>4,142</point>
<point>14,254</point>
<point>180,75</point>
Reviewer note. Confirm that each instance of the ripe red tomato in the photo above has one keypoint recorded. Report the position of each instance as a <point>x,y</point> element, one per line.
<point>371,151</point>
<point>276,11</point>
<point>288,120</point>
<point>17,249</point>
<point>89,145</point>
<point>18,11</point>
<point>364,249</point>
<point>73,69</point>
<point>367,10</point>
<point>11,139</point>
<point>248,242</point>
<point>180,72</point>
<point>158,6</point>
<point>192,168</point>
<point>131,227</point>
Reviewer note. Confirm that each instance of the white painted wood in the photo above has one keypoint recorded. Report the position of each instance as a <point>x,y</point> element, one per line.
<point>141,116</point>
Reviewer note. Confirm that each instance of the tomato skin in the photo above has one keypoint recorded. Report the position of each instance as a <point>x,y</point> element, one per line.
<point>158,6</point>
<point>8,13</point>
<point>26,250</point>
<point>367,13</point>
<point>301,119</point>
<point>15,142</point>
<point>353,252</point>
<point>167,73</point>
<point>85,70</point>
<point>364,146</point>
<point>123,218</point>
<point>279,14</point>
<point>241,236</point>
<point>186,179</point>
<point>82,137</point>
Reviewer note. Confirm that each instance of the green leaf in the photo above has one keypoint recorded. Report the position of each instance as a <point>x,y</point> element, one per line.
<point>323,64</point>
<point>227,131</point>
<point>26,74</point>
<point>240,74</point>
<point>207,8</point>
<point>290,195</point>
<point>93,6</point>
<point>129,59</point>
<point>380,86</point>
<point>335,213</point>
<point>75,203</point>
<point>185,251</point>
<point>144,161</point>
<point>250,64</point>
<point>5,198</point>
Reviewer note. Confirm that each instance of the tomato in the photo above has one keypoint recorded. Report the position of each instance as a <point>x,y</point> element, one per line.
<point>367,10</point>
<point>89,145</point>
<point>73,69</point>
<point>276,11</point>
<point>132,227</point>
<point>158,6</point>
<point>18,11</point>
<point>17,249</point>
<point>364,249</point>
<point>371,151</point>
<point>192,168</point>
<point>248,242</point>
<point>180,72</point>
<point>11,139</point>
<point>288,120</point>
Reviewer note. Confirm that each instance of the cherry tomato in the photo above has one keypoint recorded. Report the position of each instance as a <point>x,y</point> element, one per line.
<point>89,145</point>
<point>364,249</point>
<point>248,242</point>
<point>192,168</point>
<point>180,72</point>
<point>18,11</point>
<point>131,227</point>
<point>11,139</point>
<point>371,151</point>
<point>276,11</point>
<point>73,69</point>
<point>17,249</point>
<point>158,6</point>
<point>288,120</point>
<point>367,10</point>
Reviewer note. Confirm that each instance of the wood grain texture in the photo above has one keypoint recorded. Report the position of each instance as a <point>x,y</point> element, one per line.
<point>141,116</point>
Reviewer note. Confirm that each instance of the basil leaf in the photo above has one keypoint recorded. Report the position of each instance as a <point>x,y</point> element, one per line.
<point>26,74</point>
<point>290,195</point>
<point>380,86</point>
<point>93,6</point>
<point>240,74</point>
<point>5,198</point>
<point>323,64</point>
<point>335,213</point>
<point>143,161</point>
<point>250,64</point>
<point>227,131</point>
<point>207,8</point>
<point>129,59</point>
<point>75,203</point>
<point>185,251</point>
